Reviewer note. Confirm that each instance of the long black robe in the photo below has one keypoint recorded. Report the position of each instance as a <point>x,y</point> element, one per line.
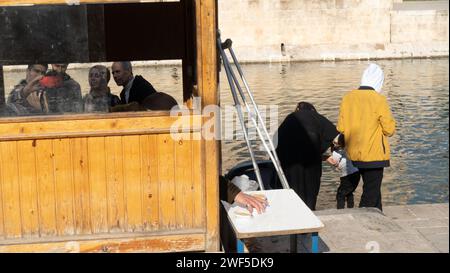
<point>301,139</point>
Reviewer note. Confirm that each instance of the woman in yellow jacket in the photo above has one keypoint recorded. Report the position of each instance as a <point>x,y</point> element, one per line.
<point>366,121</point>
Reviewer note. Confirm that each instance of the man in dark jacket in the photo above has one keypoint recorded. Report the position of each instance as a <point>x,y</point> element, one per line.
<point>302,138</point>
<point>135,88</point>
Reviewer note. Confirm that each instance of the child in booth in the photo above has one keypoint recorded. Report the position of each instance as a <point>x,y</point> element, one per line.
<point>349,173</point>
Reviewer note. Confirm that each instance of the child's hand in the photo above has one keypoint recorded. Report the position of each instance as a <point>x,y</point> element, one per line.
<point>332,161</point>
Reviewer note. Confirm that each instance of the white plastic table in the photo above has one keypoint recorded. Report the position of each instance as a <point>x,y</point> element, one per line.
<point>287,214</point>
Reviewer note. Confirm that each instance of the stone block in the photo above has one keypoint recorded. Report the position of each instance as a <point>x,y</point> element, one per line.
<point>427,212</point>
<point>399,213</point>
<point>378,223</point>
<point>439,241</point>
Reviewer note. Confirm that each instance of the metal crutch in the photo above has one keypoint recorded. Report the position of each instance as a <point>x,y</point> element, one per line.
<point>261,135</point>
<point>240,115</point>
<point>271,151</point>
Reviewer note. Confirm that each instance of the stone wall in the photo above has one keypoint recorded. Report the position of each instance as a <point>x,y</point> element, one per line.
<point>301,30</point>
<point>420,29</point>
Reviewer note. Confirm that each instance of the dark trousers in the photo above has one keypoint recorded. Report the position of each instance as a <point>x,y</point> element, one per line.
<point>371,196</point>
<point>345,190</point>
<point>227,235</point>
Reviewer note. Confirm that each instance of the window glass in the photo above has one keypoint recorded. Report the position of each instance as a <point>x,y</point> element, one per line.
<point>54,58</point>
<point>42,89</point>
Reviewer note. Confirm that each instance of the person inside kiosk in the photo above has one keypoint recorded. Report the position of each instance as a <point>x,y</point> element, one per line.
<point>24,99</point>
<point>62,94</point>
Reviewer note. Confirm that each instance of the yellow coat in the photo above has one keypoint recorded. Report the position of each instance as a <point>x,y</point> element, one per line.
<point>366,122</point>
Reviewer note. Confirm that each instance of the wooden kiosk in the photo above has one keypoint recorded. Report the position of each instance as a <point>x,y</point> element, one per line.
<point>113,182</point>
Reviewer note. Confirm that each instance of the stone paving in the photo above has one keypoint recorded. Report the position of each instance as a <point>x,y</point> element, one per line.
<point>398,229</point>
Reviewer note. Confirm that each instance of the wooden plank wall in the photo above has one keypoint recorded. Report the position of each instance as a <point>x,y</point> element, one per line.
<point>96,185</point>
<point>208,90</point>
<point>192,241</point>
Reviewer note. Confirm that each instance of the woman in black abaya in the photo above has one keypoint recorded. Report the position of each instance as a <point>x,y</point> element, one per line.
<point>302,139</point>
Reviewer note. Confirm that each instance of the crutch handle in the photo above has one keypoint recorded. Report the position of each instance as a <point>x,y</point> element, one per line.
<point>226,44</point>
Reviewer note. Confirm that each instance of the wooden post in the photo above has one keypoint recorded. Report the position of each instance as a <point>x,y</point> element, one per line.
<point>207,86</point>
<point>2,86</point>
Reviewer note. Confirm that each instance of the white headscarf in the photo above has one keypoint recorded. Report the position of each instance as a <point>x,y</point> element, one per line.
<point>373,76</point>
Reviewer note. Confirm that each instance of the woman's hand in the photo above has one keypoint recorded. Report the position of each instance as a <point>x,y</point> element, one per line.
<point>251,202</point>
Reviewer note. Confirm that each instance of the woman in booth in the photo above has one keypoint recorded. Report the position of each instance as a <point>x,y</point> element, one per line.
<point>99,98</point>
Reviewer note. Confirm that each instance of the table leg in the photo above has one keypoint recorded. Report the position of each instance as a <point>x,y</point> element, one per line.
<point>293,239</point>
<point>315,242</point>
<point>240,246</point>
